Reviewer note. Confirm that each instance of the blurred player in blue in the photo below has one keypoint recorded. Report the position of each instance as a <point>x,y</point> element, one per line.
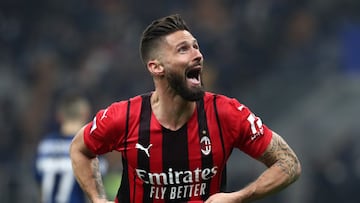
<point>53,165</point>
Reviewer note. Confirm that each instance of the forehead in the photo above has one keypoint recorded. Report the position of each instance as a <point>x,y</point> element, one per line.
<point>179,37</point>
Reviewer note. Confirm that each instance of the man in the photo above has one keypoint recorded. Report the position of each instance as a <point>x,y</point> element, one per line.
<point>53,165</point>
<point>176,139</point>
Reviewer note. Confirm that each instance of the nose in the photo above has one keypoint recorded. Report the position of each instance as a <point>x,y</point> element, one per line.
<point>197,55</point>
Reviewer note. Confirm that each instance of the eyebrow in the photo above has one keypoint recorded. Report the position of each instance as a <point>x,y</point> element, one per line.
<point>194,41</point>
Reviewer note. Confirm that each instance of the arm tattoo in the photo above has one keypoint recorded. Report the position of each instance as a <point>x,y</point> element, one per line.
<point>97,177</point>
<point>280,154</point>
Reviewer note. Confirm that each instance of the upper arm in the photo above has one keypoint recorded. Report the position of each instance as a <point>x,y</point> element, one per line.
<point>278,153</point>
<point>78,145</point>
<point>243,128</point>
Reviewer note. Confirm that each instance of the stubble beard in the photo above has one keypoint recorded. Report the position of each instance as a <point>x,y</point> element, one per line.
<point>179,84</point>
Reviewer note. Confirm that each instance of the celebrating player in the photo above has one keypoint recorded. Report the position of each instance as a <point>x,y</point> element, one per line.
<point>175,140</point>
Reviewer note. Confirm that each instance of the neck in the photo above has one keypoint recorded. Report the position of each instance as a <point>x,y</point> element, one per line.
<point>171,110</point>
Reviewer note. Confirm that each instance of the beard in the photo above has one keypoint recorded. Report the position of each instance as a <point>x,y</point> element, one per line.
<point>179,84</point>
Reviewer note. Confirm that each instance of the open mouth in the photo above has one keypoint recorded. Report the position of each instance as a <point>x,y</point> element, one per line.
<point>193,76</point>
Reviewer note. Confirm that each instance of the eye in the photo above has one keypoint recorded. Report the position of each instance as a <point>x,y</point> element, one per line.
<point>183,48</point>
<point>196,46</point>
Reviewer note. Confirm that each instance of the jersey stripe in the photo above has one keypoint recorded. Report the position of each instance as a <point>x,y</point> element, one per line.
<point>224,173</point>
<point>144,141</point>
<point>124,190</point>
<point>194,146</point>
<point>206,159</point>
<point>175,155</point>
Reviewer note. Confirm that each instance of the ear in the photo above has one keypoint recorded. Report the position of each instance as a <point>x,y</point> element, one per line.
<point>155,67</point>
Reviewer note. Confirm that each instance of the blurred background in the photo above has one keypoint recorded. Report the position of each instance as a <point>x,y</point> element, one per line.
<point>296,64</point>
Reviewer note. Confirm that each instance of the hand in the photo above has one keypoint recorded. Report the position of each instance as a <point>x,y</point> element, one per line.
<point>223,198</point>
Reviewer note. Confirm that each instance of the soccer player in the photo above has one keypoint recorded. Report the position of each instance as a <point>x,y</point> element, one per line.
<point>176,139</point>
<point>53,165</point>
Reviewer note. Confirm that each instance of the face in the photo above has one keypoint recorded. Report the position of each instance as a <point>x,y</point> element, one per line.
<point>183,62</point>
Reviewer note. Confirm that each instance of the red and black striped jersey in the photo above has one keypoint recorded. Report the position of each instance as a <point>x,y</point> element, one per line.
<point>161,165</point>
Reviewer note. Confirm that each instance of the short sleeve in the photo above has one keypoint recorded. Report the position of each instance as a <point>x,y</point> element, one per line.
<point>106,131</point>
<point>248,131</point>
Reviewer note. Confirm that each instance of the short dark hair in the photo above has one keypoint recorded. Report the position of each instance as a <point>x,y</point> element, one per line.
<point>157,30</point>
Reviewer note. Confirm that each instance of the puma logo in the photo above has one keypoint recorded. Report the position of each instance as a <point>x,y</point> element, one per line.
<point>146,150</point>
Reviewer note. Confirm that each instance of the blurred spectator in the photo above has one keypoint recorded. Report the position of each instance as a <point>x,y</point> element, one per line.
<point>53,165</point>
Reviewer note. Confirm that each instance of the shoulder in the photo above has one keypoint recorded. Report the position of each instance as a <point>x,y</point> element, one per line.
<point>122,105</point>
<point>228,109</point>
<point>115,115</point>
<point>131,101</point>
<point>222,102</point>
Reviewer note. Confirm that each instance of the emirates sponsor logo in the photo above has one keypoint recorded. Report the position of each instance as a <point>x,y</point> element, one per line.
<point>172,177</point>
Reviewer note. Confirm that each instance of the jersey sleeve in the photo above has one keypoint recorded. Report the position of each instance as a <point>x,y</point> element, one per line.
<point>248,132</point>
<point>106,131</point>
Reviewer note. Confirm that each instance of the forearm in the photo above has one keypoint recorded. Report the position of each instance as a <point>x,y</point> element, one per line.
<point>270,181</point>
<point>86,170</point>
<point>88,176</point>
<point>283,169</point>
